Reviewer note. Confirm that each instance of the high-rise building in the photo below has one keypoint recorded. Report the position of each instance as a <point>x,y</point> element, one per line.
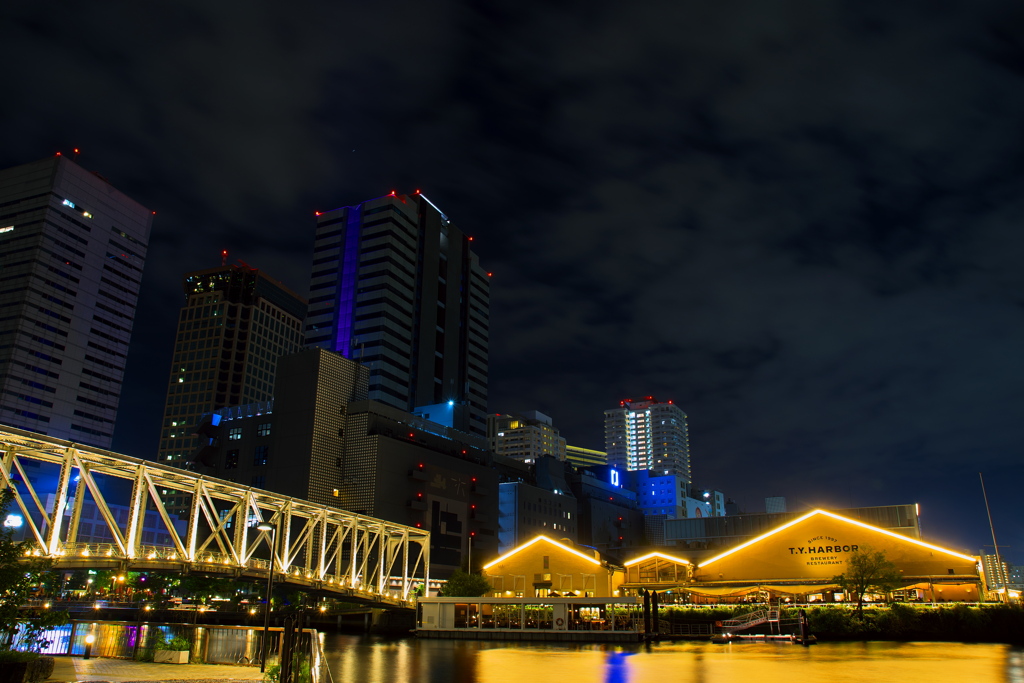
<point>996,570</point>
<point>320,440</point>
<point>396,286</point>
<point>524,437</point>
<point>235,324</point>
<point>775,504</point>
<point>651,435</point>
<point>294,444</point>
<point>72,250</point>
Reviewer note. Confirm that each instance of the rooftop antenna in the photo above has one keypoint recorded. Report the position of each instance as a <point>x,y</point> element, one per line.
<point>995,543</point>
<point>223,257</point>
<point>75,157</point>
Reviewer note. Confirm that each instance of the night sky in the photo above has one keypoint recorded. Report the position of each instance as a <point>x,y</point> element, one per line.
<point>801,221</point>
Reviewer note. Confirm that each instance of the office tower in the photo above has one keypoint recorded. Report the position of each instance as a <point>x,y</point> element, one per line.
<point>320,440</point>
<point>648,434</point>
<point>294,444</point>
<point>71,255</point>
<point>235,324</point>
<point>396,286</point>
<point>524,437</point>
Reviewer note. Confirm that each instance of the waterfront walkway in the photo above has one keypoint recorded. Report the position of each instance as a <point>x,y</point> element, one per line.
<point>70,669</point>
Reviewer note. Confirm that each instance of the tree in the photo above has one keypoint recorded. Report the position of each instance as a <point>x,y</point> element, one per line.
<point>18,579</point>
<point>869,571</point>
<point>464,585</point>
<point>202,588</point>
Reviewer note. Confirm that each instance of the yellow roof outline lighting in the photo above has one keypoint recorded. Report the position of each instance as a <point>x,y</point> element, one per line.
<point>841,519</point>
<point>533,540</point>
<point>661,555</point>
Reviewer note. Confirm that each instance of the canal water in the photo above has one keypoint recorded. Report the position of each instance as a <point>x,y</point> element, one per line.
<point>366,659</point>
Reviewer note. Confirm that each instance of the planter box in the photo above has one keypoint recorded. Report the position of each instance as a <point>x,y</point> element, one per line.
<point>171,656</point>
<point>26,672</point>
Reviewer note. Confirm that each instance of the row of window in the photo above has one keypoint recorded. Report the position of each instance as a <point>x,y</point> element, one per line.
<point>262,429</point>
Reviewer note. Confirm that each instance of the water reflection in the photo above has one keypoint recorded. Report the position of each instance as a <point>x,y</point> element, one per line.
<point>376,660</point>
<point>1015,666</point>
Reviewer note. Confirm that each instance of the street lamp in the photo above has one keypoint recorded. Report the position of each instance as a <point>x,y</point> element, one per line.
<point>272,528</point>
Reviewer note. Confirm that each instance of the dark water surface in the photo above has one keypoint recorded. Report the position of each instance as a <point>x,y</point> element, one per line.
<point>366,659</point>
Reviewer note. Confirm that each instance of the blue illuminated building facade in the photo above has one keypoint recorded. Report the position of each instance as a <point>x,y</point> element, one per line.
<point>396,286</point>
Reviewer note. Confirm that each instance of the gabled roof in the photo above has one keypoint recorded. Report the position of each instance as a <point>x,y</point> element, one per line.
<point>663,556</point>
<point>840,518</point>
<point>539,539</point>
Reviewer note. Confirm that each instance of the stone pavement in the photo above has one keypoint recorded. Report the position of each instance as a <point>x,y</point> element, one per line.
<point>70,669</point>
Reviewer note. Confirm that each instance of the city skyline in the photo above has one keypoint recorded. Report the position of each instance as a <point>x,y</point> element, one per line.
<point>801,226</point>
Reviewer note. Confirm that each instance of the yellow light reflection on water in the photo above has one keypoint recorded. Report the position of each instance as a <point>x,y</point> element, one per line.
<point>371,660</point>
<point>747,662</point>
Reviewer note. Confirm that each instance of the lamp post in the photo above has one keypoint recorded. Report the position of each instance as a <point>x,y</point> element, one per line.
<point>272,528</point>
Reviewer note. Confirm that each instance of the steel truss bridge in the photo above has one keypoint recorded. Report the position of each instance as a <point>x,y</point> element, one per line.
<point>67,492</point>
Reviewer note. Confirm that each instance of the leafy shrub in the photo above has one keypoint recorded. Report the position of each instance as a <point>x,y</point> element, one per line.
<point>179,643</point>
<point>897,621</point>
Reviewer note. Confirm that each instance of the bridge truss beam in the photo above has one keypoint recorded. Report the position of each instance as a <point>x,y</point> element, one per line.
<point>317,546</point>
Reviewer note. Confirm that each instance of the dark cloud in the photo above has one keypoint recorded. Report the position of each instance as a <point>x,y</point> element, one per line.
<point>799,220</point>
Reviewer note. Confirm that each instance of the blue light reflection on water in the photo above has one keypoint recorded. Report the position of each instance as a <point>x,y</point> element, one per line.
<point>375,660</point>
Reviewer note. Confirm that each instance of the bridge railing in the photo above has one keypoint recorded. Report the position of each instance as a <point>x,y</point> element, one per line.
<point>312,544</point>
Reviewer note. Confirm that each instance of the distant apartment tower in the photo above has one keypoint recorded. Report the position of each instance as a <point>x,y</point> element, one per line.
<point>651,435</point>
<point>235,324</point>
<point>396,286</point>
<point>524,437</point>
<point>72,250</point>
<point>996,570</point>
